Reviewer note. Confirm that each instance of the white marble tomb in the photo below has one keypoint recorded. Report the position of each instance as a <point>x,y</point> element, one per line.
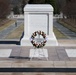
<point>38,17</point>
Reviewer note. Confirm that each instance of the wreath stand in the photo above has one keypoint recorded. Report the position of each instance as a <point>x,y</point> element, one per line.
<point>38,52</point>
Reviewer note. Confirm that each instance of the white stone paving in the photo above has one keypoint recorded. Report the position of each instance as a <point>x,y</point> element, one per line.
<point>5,52</point>
<point>71,52</point>
<point>38,53</point>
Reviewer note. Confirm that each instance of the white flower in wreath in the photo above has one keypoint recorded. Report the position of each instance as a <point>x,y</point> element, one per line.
<point>35,43</point>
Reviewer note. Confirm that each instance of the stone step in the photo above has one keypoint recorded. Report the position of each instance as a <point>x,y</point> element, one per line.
<point>37,64</point>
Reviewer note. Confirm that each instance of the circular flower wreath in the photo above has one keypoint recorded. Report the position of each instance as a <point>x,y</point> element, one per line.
<point>35,43</point>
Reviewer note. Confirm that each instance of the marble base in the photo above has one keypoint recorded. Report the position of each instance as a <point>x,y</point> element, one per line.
<point>51,41</point>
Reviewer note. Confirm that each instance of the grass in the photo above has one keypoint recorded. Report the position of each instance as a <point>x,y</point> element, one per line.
<point>58,34</point>
<point>6,25</point>
<point>67,26</point>
<point>16,34</point>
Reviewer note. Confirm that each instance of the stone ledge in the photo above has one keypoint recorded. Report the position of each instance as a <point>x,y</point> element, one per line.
<point>38,64</point>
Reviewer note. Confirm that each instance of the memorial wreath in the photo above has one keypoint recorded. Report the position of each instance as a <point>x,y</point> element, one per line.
<point>37,44</point>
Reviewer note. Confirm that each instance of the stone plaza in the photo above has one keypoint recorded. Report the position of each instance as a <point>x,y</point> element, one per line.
<point>59,54</point>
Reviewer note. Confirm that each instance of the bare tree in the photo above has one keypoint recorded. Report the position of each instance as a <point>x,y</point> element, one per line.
<point>60,4</point>
<point>70,9</point>
<point>23,3</point>
<point>4,8</point>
